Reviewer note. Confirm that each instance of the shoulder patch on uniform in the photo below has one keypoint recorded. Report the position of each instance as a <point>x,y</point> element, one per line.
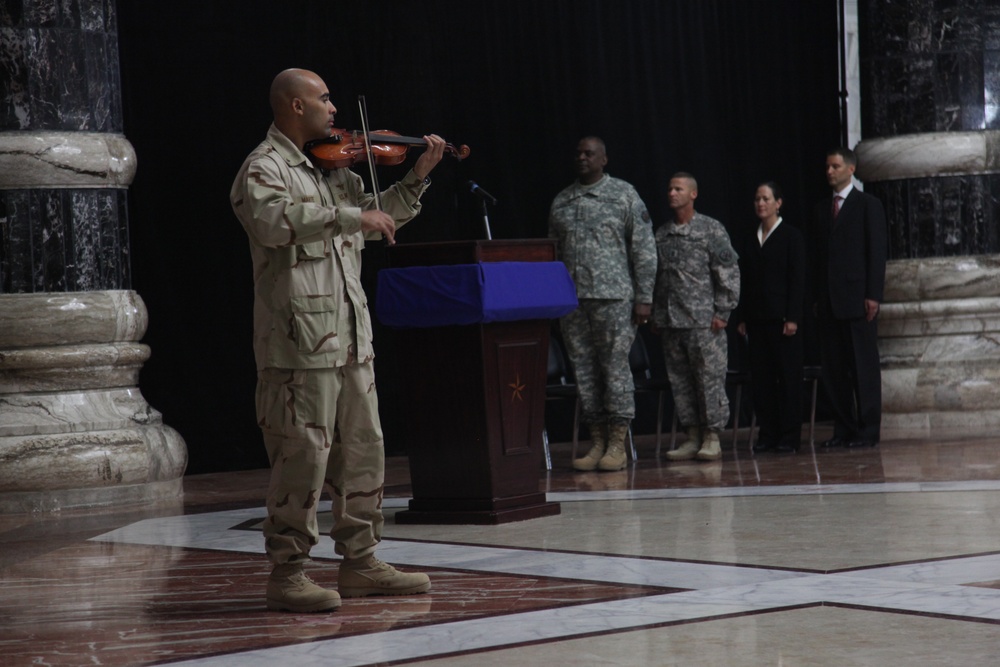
<point>725,254</point>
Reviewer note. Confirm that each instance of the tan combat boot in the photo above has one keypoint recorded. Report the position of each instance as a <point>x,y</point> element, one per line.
<point>710,448</point>
<point>289,589</point>
<point>599,438</point>
<point>615,458</point>
<point>370,576</point>
<point>689,449</point>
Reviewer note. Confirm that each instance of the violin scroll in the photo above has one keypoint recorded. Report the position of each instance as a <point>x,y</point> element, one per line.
<point>460,152</point>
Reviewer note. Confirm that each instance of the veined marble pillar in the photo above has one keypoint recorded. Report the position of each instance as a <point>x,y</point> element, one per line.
<point>930,75</point>
<point>74,428</point>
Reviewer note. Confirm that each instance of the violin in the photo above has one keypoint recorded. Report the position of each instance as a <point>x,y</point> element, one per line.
<point>344,149</point>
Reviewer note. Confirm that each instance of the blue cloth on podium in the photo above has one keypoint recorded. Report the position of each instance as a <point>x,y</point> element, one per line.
<point>458,294</point>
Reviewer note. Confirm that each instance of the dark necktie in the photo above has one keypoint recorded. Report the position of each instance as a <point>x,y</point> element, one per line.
<point>837,199</point>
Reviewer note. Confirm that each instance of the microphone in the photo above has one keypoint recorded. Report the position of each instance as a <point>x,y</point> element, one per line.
<point>475,189</point>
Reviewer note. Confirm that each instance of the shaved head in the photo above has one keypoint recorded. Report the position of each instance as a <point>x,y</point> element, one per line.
<point>288,85</point>
<point>301,105</point>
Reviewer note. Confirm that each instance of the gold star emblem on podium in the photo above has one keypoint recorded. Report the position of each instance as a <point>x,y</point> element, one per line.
<point>516,388</point>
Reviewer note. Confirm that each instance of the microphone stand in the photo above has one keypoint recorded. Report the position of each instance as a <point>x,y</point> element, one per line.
<point>486,221</point>
<point>485,197</point>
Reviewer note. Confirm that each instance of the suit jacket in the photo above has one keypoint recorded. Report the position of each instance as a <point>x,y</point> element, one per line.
<point>772,276</point>
<point>849,255</point>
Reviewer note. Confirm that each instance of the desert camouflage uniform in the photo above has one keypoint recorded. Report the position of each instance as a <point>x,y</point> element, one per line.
<point>698,278</point>
<point>316,399</point>
<point>606,241</point>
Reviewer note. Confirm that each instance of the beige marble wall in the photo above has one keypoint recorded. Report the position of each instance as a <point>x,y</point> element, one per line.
<point>939,336</point>
<point>74,428</point>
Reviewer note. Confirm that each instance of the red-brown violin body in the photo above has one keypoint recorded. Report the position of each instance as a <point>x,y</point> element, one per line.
<point>344,148</point>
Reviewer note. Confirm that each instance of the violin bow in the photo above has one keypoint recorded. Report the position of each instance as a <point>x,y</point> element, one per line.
<point>363,107</point>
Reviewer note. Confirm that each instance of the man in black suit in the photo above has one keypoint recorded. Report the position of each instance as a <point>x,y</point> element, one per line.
<point>849,247</point>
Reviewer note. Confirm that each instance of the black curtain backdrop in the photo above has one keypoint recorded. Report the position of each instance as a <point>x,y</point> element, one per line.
<point>734,91</point>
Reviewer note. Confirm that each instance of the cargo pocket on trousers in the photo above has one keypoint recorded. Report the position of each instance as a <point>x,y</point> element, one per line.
<point>277,390</point>
<point>315,320</point>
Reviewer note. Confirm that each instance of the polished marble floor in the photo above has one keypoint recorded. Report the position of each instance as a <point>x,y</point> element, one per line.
<point>885,556</point>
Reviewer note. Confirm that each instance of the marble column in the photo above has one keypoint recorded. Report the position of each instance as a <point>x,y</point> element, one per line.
<point>930,78</point>
<point>74,428</point>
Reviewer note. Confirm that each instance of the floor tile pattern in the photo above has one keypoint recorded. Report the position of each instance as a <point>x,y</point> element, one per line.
<point>882,556</point>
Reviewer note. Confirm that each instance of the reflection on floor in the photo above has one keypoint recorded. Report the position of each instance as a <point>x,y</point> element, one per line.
<point>883,556</point>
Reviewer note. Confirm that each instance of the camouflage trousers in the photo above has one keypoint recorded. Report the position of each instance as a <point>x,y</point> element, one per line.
<point>599,335</point>
<point>321,431</point>
<point>697,360</point>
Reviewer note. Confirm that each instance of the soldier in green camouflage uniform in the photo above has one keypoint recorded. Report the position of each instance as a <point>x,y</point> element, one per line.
<point>316,399</point>
<point>606,241</point>
<point>697,286</point>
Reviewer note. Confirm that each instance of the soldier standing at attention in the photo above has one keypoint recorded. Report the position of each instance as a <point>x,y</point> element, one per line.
<point>697,286</point>
<point>605,238</point>
<point>312,339</point>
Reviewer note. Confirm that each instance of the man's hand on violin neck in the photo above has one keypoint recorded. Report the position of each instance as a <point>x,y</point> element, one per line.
<point>430,157</point>
<point>379,221</point>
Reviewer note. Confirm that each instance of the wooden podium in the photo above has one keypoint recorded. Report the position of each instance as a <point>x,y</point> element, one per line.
<point>475,400</point>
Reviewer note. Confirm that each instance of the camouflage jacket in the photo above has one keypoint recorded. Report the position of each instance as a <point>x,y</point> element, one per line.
<point>310,310</point>
<point>698,275</point>
<point>605,240</point>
